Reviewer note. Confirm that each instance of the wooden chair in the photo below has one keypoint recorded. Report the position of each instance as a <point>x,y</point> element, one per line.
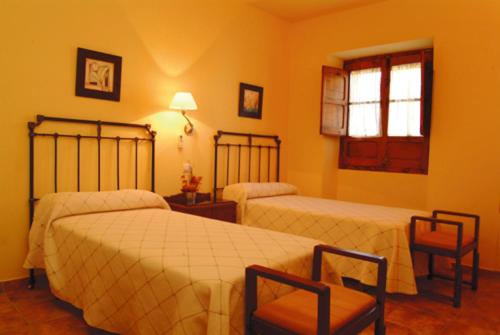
<point>316,307</point>
<point>449,244</point>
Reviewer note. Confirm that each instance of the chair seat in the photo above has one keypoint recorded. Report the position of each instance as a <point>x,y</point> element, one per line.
<point>442,240</point>
<point>297,311</point>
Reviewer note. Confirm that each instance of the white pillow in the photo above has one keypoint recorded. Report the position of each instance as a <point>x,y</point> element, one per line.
<point>241,192</point>
<point>260,190</point>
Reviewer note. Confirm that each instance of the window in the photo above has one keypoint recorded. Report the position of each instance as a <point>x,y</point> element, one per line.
<point>388,112</point>
<point>405,100</point>
<point>364,102</point>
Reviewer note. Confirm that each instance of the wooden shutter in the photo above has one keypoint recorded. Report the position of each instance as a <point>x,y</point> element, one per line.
<point>334,93</point>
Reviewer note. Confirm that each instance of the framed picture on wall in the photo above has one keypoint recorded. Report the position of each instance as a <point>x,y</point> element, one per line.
<point>98,75</point>
<point>250,104</point>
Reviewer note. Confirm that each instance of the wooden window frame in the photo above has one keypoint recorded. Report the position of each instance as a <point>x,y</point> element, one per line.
<point>404,154</point>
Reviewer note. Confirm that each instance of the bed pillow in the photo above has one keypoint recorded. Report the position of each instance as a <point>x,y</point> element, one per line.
<point>241,192</point>
<point>259,190</point>
<point>58,205</point>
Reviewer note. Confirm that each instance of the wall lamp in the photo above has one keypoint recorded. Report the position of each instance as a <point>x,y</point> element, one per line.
<point>184,101</point>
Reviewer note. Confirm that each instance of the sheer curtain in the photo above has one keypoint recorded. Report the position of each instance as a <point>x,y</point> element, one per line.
<point>364,102</point>
<point>404,100</point>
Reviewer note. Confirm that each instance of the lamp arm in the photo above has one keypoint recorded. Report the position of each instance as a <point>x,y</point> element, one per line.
<point>189,121</point>
<point>188,129</point>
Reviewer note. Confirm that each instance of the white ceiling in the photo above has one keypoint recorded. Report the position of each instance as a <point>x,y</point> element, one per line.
<point>295,10</point>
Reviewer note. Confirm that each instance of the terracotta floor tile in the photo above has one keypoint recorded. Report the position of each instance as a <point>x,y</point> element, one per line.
<point>5,305</point>
<point>15,284</point>
<point>464,329</point>
<point>420,322</point>
<point>37,312</point>
<point>12,323</point>
<point>41,283</point>
<point>445,310</point>
<point>34,295</point>
<point>395,329</point>
<point>66,325</point>
<point>43,311</point>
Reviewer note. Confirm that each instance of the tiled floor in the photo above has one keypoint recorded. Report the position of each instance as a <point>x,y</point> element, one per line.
<point>37,312</point>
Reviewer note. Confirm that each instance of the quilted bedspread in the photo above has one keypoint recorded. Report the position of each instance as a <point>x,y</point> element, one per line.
<point>135,267</point>
<point>374,229</point>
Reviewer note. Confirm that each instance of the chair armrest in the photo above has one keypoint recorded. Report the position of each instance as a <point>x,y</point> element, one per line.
<point>322,290</point>
<point>476,218</point>
<point>445,212</point>
<point>379,260</point>
<point>434,221</point>
<point>255,271</point>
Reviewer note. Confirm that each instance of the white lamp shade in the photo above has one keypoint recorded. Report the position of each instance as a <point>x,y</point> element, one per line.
<point>183,101</point>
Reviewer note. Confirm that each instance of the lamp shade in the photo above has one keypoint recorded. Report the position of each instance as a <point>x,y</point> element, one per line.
<point>183,101</point>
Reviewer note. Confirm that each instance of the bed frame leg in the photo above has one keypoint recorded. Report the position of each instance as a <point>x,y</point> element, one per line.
<point>32,280</point>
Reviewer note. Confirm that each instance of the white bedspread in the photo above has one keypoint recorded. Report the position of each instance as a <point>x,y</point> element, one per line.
<point>135,267</point>
<point>374,229</point>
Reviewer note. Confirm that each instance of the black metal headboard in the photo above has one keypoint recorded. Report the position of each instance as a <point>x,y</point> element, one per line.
<point>267,146</point>
<point>32,126</point>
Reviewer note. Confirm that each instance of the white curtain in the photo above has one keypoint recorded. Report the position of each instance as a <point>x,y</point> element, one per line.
<point>364,102</point>
<point>404,100</point>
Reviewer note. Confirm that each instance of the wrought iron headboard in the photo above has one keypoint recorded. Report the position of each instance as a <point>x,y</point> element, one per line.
<point>251,146</point>
<point>32,126</point>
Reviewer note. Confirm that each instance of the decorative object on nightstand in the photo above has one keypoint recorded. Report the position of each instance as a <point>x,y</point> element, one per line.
<point>220,210</point>
<point>184,101</point>
<point>190,184</point>
<point>190,188</point>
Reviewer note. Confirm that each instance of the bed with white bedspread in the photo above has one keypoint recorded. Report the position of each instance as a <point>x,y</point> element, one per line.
<point>135,267</point>
<point>374,229</point>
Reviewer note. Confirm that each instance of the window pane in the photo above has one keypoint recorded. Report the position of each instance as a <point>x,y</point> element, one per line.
<point>404,118</point>
<point>364,102</point>
<point>404,100</point>
<point>364,120</point>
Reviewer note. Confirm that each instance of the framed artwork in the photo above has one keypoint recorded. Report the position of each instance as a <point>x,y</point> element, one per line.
<point>251,101</point>
<point>98,75</point>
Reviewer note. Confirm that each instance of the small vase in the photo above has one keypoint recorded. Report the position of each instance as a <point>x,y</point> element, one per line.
<point>190,198</point>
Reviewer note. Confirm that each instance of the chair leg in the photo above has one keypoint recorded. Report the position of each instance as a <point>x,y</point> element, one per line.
<point>430,264</point>
<point>475,270</point>
<point>380,326</point>
<point>458,282</point>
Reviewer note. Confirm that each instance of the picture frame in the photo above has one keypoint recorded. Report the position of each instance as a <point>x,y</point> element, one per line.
<point>98,75</point>
<point>250,102</point>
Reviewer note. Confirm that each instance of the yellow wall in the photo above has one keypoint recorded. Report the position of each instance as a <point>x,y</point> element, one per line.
<point>206,47</point>
<point>464,171</point>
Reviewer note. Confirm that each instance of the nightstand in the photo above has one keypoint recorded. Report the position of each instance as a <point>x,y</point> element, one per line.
<point>221,210</point>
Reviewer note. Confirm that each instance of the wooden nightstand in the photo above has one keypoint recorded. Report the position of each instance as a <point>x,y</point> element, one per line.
<point>221,210</point>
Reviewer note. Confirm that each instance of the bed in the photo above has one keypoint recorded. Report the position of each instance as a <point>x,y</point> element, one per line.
<point>247,171</point>
<point>136,267</point>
